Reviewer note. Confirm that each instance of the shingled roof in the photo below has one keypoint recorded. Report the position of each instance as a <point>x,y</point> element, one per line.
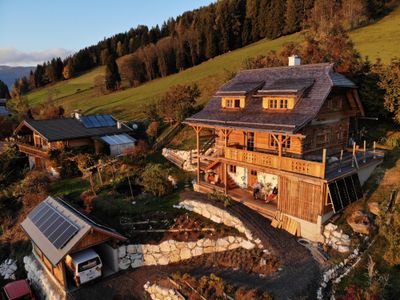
<point>311,83</point>
<point>69,128</point>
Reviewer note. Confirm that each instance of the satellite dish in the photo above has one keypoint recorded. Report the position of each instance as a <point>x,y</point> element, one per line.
<point>135,126</point>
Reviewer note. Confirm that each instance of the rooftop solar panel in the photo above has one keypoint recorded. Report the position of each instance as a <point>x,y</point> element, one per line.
<point>53,225</point>
<point>98,121</point>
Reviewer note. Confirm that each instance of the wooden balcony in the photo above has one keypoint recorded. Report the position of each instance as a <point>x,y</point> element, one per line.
<point>33,150</point>
<point>299,166</point>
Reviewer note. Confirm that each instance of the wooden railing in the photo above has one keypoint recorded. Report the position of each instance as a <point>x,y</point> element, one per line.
<point>33,150</point>
<point>299,166</point>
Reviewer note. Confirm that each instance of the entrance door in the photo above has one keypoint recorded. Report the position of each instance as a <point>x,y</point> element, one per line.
<point>250,141</point>
<point>252,178</point>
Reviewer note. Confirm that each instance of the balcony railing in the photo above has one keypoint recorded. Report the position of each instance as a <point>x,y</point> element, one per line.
<point>310,168</point>
<point>33,150</point>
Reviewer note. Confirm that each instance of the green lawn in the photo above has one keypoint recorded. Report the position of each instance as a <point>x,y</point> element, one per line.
<point>381,39</point>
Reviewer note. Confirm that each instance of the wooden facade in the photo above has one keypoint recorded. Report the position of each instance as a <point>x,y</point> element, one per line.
<point>287,131</point>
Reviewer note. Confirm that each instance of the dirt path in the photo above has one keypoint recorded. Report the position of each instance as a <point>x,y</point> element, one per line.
<point>298,278</point>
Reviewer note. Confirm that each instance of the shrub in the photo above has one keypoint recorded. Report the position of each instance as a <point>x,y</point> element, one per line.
<point>35,182</point>
<point>220,197</point>
<point>13,166</point>
<point>154,180</point>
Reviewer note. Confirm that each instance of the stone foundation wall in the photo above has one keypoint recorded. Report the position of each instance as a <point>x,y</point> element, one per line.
<point>336,239</point>
<point>41,280</point>
<point>219,215</point>
<point>172,251</point>
<point>157,292</point>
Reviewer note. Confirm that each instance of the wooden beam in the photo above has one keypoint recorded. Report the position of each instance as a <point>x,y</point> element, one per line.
<point>198,130</point>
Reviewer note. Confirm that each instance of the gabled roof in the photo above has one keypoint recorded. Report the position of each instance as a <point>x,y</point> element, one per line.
<point>40,236</point>
<point>311,84</point>
<point>69,128</point>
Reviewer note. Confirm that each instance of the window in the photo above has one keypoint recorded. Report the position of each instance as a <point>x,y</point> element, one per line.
<point>321,139</point>
<point>232,169</point>
<point>232,103</point>
<point>286,144</point>
<point>253,173</point>
<point>278,103</point>
<point>273,103</point>
<point>272,142</point>
<point>283,103</point>
<point>250,141</point>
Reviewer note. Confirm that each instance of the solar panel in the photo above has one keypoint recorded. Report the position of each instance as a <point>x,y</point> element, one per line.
<point>53,225</point>
<point>345,191</point>
<point>357,186</point>
<point>98,121</point>
<point>335,197</point>
<point>344,196</point>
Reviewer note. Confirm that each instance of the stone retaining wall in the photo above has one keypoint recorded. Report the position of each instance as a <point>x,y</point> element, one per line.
<point>336,239</point>
<point>157,292</point>
<point>218,215</point>
<point>172,251</point>
<point>41,281</point>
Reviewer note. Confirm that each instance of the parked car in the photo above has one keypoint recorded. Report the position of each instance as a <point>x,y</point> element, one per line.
<point>84,266</point>
<point>19,289</point>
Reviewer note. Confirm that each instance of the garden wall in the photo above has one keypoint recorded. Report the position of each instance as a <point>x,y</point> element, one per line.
<point>42,282</point>
<point>219,215</point>
<point>172,251</point>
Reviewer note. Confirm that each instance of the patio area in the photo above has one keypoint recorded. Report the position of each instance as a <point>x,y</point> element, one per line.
<point>268,210</point>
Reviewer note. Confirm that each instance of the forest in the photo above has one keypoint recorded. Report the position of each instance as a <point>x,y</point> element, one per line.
<point>198,35</point>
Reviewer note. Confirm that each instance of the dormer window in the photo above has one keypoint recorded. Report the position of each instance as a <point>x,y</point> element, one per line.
<point>278,103</point>
<point>232,102</point>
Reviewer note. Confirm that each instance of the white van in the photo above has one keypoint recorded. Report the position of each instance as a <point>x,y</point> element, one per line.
<point>85,265</point>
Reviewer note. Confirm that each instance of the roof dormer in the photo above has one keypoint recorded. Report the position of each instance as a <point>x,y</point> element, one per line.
<point>278,102</point>
<point>233,102</point>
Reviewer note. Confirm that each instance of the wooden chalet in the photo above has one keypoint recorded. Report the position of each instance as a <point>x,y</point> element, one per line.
<point>96,133</point>
<point>56,229</point>
<point>286,132</point>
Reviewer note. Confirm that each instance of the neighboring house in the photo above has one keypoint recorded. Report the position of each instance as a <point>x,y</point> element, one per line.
<point>280,131</point>
<point>3,109</point>
<point>56,230</point>
<point>101,133</point>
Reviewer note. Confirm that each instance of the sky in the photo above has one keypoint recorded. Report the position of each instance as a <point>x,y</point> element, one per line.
<point>32,31</point>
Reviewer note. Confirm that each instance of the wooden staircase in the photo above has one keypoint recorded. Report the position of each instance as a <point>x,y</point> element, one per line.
<point>231,183</point>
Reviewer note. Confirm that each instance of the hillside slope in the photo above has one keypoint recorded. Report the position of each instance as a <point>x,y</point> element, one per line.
<point>380,39</point>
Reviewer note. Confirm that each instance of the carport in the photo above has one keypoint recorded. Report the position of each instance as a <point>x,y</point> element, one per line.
<point>57,229</point>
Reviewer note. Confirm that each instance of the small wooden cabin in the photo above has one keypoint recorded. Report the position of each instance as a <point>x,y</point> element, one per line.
<point>99,133</point>
<point>281,135</point>
<point>56,229</point>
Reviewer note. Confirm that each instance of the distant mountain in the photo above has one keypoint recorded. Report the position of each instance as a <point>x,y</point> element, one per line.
<point>9,74</point>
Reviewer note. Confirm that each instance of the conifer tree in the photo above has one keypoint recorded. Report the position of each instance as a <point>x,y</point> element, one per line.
<point>4,92</point>
<point>113,79</point>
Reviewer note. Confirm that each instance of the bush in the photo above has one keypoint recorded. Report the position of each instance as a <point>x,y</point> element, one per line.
<point>154,180</point>
<point>219,197</point>
<point>13,166</point>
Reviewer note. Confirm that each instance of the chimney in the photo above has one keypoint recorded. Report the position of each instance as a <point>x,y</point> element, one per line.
<point>76,114</point>
<point>119,124</point>
<point>294,60</point>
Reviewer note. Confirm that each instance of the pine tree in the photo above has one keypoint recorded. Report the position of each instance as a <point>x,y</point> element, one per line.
<point>293,15</point>
<point>4,92</point>
<point>113,79</point>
